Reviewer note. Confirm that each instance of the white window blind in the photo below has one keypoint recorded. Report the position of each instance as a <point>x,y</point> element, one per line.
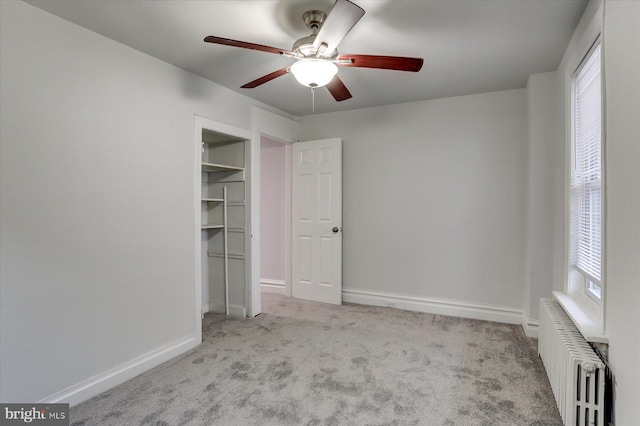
<point>586,170</point>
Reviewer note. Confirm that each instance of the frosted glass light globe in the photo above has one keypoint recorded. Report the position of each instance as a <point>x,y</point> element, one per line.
<point>314,72</point>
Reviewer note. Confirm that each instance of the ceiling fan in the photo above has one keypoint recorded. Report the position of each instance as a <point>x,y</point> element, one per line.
<point>317,58</point>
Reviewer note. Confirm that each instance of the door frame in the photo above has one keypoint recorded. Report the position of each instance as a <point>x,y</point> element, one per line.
<point>283,128</point>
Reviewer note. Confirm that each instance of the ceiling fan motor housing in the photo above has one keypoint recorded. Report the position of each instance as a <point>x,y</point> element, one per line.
<point>304,47</point>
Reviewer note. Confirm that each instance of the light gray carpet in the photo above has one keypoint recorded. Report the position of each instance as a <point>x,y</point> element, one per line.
<point>304,363</point>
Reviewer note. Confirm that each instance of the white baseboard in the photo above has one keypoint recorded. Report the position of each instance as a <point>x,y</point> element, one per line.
<point>216,307</point>
<point>95,385</point>
<point>530,326</point>
<point>219,308</point>
<point>237,311</point>
<point>434,306</point>
<point>273,286</point>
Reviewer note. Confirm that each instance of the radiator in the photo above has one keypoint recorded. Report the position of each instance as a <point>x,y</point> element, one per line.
<point>576,373</point>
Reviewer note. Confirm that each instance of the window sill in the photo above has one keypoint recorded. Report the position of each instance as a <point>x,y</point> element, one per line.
<point>585,316</point>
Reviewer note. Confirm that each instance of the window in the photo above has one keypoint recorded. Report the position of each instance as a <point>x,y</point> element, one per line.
<point>586,175</point>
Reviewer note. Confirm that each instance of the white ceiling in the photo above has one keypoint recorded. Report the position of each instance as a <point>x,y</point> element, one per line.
<point>469,46</point>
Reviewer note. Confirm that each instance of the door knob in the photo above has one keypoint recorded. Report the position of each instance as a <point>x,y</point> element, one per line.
<point>335,230</point>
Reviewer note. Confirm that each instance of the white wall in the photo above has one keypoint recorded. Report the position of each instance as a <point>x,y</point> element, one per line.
<point>97,205</point>
<point>541,135</point>
<point>620,23</point>
<point>272,209</point>
<point>622,245</point>
<point>97,201</point>
<point>434,198</point>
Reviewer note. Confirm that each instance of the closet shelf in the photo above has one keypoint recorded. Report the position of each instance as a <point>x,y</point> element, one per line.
<point>212,167</point>
<point>212,226</point>
<point>229,255</point>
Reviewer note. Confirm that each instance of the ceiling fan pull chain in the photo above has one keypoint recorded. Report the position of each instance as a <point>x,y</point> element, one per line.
<point>313,99</point>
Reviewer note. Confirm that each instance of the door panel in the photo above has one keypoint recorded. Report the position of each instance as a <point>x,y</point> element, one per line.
<point>316,212</point>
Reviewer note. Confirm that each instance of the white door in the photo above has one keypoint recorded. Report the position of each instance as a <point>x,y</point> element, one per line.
<point>317,220</point>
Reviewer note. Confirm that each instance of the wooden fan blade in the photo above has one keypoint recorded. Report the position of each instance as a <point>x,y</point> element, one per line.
<point>337,24</point>
<point>265,78</point>
<point>338,89</point>
<point>397,63</point>
<point>246,45</point>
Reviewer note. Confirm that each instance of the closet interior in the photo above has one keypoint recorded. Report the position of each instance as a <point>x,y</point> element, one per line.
<point>224,237</point>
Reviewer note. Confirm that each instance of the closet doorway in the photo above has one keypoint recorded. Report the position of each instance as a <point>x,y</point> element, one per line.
<point>222,217</point>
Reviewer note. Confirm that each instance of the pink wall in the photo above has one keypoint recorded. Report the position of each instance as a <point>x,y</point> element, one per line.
<point>272,203</point>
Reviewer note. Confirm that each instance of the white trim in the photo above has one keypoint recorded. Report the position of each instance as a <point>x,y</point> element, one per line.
<point>197,216</point>
<point>273,286</point>
<point>95,385</point>
<point>287,221</point>
<point>284,128</point>
<point>251,170</point>
<point>217,307</point>
<point>530,326</point>
<point>220,127</point>
<point>221,308</point>
<point>435,306</point>
<point>585,315</point>
<point>252,295</point>
<point>237,311</point>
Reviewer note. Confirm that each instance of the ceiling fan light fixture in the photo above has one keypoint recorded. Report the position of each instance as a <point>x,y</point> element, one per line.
<point>313,72</point>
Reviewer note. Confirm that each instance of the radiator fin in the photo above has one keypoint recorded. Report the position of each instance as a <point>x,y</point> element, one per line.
<point>575,371</point>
